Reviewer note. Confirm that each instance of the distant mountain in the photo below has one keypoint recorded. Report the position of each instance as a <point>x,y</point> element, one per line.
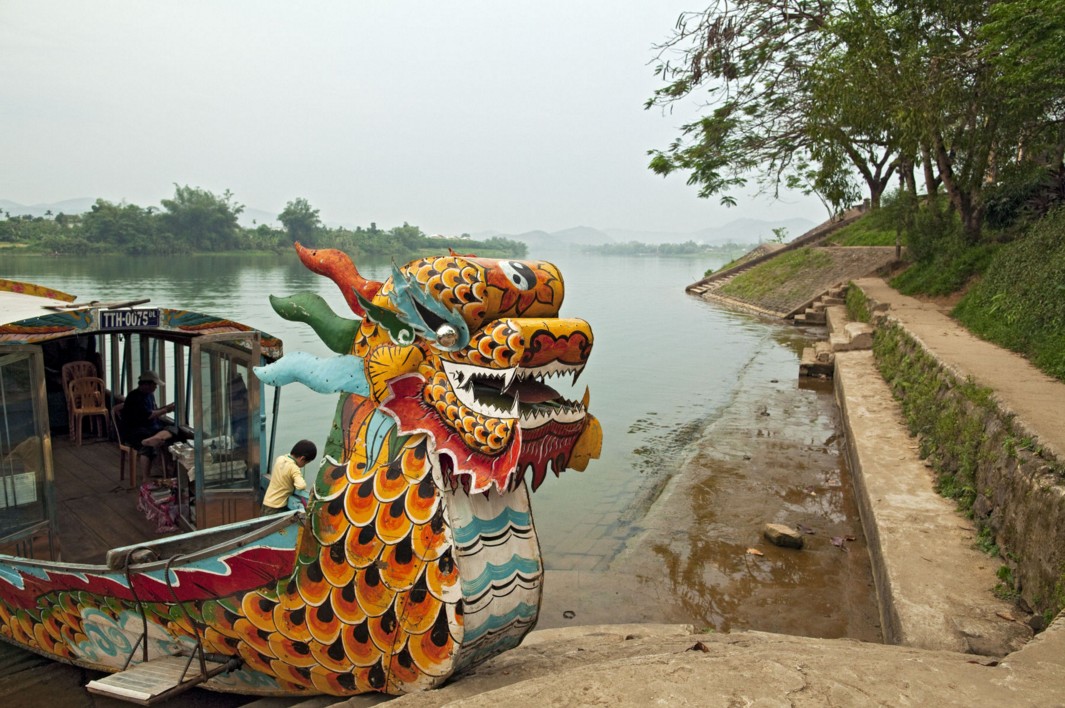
<point>250,218</point>
<point>67,206</point>
<point>563,240</point>
<point>753,231</point>
<point>740,231</point>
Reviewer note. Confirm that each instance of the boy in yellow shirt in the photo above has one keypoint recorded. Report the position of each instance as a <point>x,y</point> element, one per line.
<point>287,476</point>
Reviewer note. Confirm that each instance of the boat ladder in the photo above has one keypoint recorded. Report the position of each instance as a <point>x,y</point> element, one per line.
<point>154,680</point>
<point>150,682</point>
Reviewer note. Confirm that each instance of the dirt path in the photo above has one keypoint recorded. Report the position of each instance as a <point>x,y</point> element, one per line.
<point>1037,400</point>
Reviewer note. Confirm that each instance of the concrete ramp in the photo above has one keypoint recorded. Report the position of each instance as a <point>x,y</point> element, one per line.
<point>641,665</point>
<point>785,293</point>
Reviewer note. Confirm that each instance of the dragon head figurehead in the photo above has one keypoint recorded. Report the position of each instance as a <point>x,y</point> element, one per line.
<point>417,557</point>
<point>465,350</point>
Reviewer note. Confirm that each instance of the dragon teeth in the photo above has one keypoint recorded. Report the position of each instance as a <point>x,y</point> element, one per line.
<point>464,376</point>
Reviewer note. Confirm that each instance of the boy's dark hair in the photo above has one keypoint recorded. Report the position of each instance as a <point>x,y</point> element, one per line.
<point>305,448</point>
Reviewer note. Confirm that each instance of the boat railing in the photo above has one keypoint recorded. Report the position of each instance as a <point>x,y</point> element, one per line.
<point>198,544</point>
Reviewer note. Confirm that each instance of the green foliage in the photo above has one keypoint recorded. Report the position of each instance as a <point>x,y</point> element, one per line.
<point>300,220</point>
<point>407,242</point>
<point>946,274</point>
<point>857,305</point>
<point>28,229</point>
<point>1006,587</point>
<point>810,95</point>
<point>935,229</point>
<point>125,228</point>
<point>985,541</point>
<point>945,259</point>
<point>196,220</point>
<point>879,227</point>
<point>749,62</point>
<point>208,222</point>
<point>1024,193</point>
<point>1020,302</point>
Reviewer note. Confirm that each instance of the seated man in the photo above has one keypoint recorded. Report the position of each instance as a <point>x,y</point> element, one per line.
<point>141,424</point>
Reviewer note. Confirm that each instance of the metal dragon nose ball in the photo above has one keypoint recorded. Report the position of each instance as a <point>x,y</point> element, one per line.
<point>447,335</point>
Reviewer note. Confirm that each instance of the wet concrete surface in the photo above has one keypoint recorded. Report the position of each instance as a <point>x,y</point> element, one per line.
<point>773,455</point>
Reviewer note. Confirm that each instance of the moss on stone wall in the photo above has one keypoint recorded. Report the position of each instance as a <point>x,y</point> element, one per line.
<point>1013,490</point>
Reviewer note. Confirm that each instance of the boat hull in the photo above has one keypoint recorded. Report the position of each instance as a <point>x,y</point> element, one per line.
<point>91,615</point>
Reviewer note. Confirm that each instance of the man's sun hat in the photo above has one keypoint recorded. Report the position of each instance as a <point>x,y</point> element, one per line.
<point>152,377</point>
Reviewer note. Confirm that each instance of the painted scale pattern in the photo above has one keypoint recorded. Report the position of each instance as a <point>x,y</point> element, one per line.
<point>418,557</point>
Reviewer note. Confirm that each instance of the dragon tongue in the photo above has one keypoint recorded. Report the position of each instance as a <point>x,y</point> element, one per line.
<point>533,392</point>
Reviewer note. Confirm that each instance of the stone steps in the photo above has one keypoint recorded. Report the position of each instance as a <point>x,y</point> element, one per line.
<point>843,335</point>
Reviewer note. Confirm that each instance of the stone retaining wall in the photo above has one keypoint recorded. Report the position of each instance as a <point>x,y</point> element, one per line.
<point>1013,490</point>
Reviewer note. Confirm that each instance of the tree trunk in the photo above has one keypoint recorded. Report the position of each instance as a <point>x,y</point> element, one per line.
<point>876,191</point>
<point>907,181</point>
<point>931,182</point>
<point>961,198</point>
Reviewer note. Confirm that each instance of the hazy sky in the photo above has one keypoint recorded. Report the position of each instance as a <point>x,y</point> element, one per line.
<point>453,116</point>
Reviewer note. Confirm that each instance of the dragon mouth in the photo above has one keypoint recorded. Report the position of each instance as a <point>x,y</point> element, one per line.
<point>517,392</point>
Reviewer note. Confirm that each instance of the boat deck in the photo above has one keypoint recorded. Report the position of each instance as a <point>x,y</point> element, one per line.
<point>95,510</point>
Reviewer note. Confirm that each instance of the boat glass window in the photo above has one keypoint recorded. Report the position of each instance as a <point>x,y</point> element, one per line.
<point>23,437</point>
<point>227,423</point>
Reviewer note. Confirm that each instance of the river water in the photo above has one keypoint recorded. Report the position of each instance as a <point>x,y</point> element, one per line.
<point>662,362</point>
<point>681,387</point>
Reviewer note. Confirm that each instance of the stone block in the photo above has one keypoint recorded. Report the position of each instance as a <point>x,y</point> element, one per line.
<point>783,536</point>
<point>836,318</point>
<point>860,335</point>
<point>810,366</point>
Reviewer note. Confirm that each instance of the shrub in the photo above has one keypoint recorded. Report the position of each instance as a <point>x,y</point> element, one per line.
<point>1020,301</point>
<point>879,227</point>
<point>1025,192</point>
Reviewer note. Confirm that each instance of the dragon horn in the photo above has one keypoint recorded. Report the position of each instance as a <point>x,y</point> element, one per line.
<point>338,267</point>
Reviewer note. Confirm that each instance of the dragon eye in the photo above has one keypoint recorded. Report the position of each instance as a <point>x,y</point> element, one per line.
<point>446,336</point>
<point>519,274</point>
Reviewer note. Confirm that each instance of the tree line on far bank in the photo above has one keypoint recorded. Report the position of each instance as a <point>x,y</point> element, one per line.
<point>687,249</point>
<point>195,220</point>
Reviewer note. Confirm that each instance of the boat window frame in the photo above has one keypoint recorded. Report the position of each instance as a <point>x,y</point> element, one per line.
<point>248,344</point>
<point>24,538</point>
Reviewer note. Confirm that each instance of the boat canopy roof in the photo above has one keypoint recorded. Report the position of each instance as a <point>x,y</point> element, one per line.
<point>30,314</point>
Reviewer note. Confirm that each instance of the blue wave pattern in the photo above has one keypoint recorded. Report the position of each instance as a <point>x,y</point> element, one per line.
<point>497,574</point>
<point>497,626</point>
<point>501,573</point>
<point>467,535</point>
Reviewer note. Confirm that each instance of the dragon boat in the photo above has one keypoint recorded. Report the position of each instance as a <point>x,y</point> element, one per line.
<point>415,557</point>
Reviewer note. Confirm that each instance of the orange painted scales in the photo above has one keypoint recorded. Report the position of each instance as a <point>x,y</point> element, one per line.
<point>416,557</point>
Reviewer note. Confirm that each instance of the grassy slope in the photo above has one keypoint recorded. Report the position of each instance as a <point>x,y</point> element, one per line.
<point>1019,303</point>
